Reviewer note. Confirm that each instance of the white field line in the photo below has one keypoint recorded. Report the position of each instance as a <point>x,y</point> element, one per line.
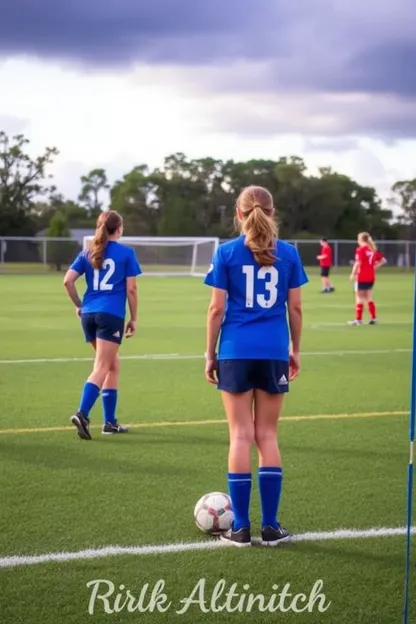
<point>190,356</point>
<point>115,551</point>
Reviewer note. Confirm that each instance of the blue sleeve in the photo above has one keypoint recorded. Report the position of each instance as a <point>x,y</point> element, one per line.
<point>298,275</point>
<point>79,263</point>
<point>217,274</point>
<point>133,267</point>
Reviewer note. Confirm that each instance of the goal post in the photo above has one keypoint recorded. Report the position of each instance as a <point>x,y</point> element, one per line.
<point>170,256</point>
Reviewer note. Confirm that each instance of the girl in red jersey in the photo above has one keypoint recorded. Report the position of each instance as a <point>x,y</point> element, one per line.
<point>325,262</point>
<point>367,261</point>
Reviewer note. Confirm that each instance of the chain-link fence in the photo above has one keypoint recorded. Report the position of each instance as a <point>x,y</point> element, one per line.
<point>397,252</point>
<point>27,255</point>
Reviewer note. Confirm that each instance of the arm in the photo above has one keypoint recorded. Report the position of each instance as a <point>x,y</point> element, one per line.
<point>380,263</point>
<point>215,315</point>
<point>294,305</point>
<point>132,301</point>
<point>70,278</point>
<point>355,268</point>
<point>354,271</point>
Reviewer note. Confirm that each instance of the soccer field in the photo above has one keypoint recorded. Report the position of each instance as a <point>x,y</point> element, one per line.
<point>344,440</point>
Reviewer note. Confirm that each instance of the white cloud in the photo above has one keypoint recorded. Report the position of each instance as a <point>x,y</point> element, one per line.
<point>118,121</point>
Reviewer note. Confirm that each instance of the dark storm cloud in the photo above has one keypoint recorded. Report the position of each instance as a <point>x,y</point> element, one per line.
<point>343,45</point>
<point>270,47</point>
<point>122,31</point>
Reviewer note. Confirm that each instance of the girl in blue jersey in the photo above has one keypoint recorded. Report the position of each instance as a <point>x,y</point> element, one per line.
<point>256,281</point>
<point>110,271</point>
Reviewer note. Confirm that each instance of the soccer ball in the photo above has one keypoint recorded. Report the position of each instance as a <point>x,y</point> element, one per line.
<point>213,513</point>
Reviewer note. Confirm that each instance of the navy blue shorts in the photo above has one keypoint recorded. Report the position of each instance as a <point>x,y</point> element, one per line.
<point>365,285</point>
<point>103,326</point>
<point>325,271</point>
<point>238,376</point>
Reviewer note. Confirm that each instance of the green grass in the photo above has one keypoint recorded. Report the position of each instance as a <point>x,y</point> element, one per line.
<point>60,494</point>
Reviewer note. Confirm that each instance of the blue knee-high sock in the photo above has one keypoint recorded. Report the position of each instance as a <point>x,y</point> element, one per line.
<point>109,398</point>
<point>89,396</point>
<point>270,485</point>
<point>239,486</point>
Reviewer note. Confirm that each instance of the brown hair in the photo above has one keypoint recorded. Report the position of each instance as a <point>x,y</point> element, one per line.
<point>256,220</point>
<point>366,238</point>
<point>107,224</point>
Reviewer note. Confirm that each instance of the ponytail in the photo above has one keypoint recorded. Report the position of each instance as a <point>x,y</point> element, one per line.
<point>255,219</point>
<point>367,239</point>
<point>98,245</point>
<point>107,224</point>
<point>261,236</point>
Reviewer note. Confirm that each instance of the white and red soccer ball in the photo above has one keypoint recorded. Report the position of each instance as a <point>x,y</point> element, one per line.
<point>213,513</point>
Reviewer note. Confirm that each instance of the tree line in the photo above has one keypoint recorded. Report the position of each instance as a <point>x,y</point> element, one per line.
<point>196,197</point>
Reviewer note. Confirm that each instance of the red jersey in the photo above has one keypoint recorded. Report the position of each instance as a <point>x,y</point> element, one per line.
<point>367,258</point>
<point>326,260</point>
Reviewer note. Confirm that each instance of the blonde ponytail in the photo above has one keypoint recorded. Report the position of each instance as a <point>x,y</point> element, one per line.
<point>255,212</point>
<point>367,239</point>
<point>98,245</point>
<point>261,236</point>
<point>107,224</point>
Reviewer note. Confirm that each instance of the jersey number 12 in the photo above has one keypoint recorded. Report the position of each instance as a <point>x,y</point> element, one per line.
<point>271,285</point>
<point>110,265</point>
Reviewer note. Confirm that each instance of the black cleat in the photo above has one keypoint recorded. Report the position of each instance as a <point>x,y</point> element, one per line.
<point>112,428</point>
<point>373,322</point>
<point>240,538</point>
<point>272,537</point>
<point>82,424</point>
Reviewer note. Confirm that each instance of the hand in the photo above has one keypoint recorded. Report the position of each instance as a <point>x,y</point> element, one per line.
<point>352,277</point>
<point>130,329</point>
<point>211,370</point>
<point>78,312</point>
<point>294,365</point>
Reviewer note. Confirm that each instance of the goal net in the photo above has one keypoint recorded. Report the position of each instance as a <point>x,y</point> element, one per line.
<point>170,256</point>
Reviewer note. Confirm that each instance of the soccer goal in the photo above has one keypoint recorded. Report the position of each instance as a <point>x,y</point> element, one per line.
<point>170,256</point>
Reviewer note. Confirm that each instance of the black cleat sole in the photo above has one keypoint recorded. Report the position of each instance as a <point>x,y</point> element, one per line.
<point>82,430</point>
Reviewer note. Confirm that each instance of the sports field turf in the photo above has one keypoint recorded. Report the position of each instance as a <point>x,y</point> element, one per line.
<point>343,438</point>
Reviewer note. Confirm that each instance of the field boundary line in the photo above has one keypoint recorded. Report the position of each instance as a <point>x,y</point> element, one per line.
<point>194,356</point>
<point>180,547</point>
<point>196,423</point>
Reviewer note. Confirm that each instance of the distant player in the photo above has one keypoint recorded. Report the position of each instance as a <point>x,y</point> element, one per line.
<point>325,262</point>
<point>254,278</point>
<point>367,260</point>
<point>110,271</point>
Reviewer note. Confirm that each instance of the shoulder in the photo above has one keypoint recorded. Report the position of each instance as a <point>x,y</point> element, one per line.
<point>286,250</point>
<point>119,250</point>
<point>227,250</point>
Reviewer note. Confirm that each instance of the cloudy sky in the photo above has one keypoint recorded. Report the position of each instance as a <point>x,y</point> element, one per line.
<point>122,82</point>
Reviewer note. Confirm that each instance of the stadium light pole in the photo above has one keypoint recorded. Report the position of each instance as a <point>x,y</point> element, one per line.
<point>412,427</point>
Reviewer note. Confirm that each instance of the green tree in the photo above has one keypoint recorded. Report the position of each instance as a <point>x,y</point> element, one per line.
<point>59,252</point>
<point>405,198</point>
<point>135,199</point>
<point>93,190</point>
<point>23,181</point>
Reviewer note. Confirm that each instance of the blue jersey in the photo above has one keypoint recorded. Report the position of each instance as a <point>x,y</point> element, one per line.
<point>107,287</point>
<point>255,323</point>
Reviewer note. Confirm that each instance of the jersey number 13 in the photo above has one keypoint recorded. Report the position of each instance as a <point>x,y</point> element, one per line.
<point>110,265</point>
<point>270,274</point>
